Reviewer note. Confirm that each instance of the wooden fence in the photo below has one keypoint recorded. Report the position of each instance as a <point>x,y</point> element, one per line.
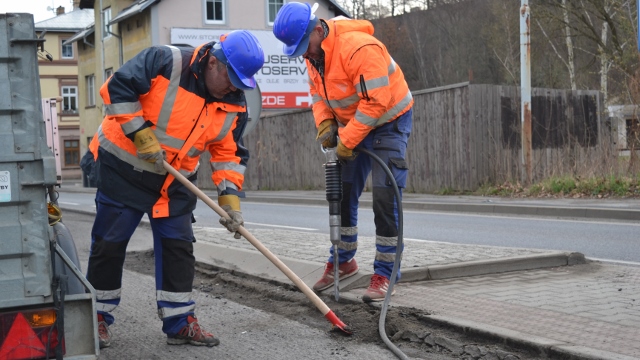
<point>463,136</point>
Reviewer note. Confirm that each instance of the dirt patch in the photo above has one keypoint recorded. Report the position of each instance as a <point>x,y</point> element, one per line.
<point>407,328</point>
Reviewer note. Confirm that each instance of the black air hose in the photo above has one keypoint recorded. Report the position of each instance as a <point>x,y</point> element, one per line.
<point>396,263</point>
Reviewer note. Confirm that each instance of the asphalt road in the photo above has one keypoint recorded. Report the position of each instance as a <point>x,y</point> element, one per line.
<point>604,240</point>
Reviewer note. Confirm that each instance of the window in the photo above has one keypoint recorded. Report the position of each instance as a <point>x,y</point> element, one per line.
<point>90,81</point>
<point>274,6</point>
<point>69,99</point>
<point>67,51</point>
<point>214,11</point>
<point>106,17</point>
<point>107,73</point>
<point>71,152</point>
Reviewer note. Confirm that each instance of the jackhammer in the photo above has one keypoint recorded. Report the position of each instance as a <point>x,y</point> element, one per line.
<point>333,181</point>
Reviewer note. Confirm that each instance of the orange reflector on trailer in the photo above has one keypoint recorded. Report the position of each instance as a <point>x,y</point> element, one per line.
<point>41,318</point>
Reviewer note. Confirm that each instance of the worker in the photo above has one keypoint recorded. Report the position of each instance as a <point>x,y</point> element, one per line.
<point>168,103</point>
<point>360,99</point>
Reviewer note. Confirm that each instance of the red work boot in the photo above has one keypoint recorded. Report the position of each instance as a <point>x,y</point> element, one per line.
<point>346,269</point>
<point>192,334</point>
<point>377,289</point>
<point>104,334</point>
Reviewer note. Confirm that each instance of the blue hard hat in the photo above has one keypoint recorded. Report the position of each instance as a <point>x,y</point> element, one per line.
<point>241,52</point>
<point>293,25</point>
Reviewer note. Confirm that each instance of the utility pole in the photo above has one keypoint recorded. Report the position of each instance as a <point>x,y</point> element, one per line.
<point>525,91</point>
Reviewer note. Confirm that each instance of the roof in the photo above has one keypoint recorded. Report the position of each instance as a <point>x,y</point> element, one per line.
<point>338,9</point>
<point>69,22</point>
<point>133,9</point>
<point>80,35</point>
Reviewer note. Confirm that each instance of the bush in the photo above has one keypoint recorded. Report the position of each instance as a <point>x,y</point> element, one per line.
<point>612,185</point>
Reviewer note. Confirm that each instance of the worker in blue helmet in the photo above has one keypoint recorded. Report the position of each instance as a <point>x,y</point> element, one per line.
<point>360,100</point>
<point>168,103</point>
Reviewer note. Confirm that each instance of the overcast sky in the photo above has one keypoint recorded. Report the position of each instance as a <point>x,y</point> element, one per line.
<point>36,7</point>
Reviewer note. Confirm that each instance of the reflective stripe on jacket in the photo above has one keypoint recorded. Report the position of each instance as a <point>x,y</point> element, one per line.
<point>362,86</point>
<point>163,88</point>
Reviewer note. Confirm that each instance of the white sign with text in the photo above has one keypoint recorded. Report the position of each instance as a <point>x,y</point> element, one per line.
<point>5,186</point>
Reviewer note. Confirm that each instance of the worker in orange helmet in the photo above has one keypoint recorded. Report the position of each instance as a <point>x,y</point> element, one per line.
<point>360,99</point>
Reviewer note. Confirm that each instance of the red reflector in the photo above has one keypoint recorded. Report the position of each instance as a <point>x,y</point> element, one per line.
<point>22,342</point>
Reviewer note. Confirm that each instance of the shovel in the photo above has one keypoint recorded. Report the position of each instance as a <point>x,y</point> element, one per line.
<point>324,309</point>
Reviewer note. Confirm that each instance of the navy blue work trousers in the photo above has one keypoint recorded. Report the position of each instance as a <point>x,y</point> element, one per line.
<point>173,241</point>
<point>389,143</point>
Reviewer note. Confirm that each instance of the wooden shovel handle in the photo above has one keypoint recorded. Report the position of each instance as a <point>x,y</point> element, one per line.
<point>255,242</point>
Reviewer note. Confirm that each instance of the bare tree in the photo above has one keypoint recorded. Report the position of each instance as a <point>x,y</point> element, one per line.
<point>570,59</point>
<point>416,40</point>
<point>506,47</point>
<point>355,7</point>
<point>393,5</point>
<point>569,62</point>
<point>603,29</point>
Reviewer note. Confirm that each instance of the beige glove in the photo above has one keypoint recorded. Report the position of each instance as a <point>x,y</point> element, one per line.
<point>231,205</point>
<point>328,133</point>
<point>344,153</point>
<point>149,148</point>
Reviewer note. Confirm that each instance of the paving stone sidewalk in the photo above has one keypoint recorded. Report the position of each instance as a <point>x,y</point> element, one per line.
<point>587,311</point>
<point>315,247</point>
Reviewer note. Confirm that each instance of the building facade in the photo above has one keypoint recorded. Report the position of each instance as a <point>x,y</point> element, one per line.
<point>58,69</point>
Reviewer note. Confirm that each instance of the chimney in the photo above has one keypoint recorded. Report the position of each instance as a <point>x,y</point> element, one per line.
<point>60,10</point>
<point>76,4</point>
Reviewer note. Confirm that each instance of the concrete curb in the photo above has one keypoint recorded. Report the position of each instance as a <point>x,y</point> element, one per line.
<point>552,349</point>
<point>492,266</point>
<point>252,263</point>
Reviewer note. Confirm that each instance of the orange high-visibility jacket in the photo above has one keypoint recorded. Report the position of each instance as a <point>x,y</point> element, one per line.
<point>362,87</point>
<point>163,88</point>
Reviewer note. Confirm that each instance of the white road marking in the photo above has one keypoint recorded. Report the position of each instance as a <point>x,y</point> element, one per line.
<point>619,262</point>
<point>282,226</point>
<point>524,217</point>
<point>429,241</point>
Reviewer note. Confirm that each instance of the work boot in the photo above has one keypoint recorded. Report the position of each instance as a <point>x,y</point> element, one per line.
<point>377,289</point>
<point>192,334</point>
<point>104,334</point>
<point>345,270</point>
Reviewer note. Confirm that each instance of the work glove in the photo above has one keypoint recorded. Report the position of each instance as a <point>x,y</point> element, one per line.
<point>231,205</point>
<point>344,153</point>
<point>328,133</point>
<point>149,148</point>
